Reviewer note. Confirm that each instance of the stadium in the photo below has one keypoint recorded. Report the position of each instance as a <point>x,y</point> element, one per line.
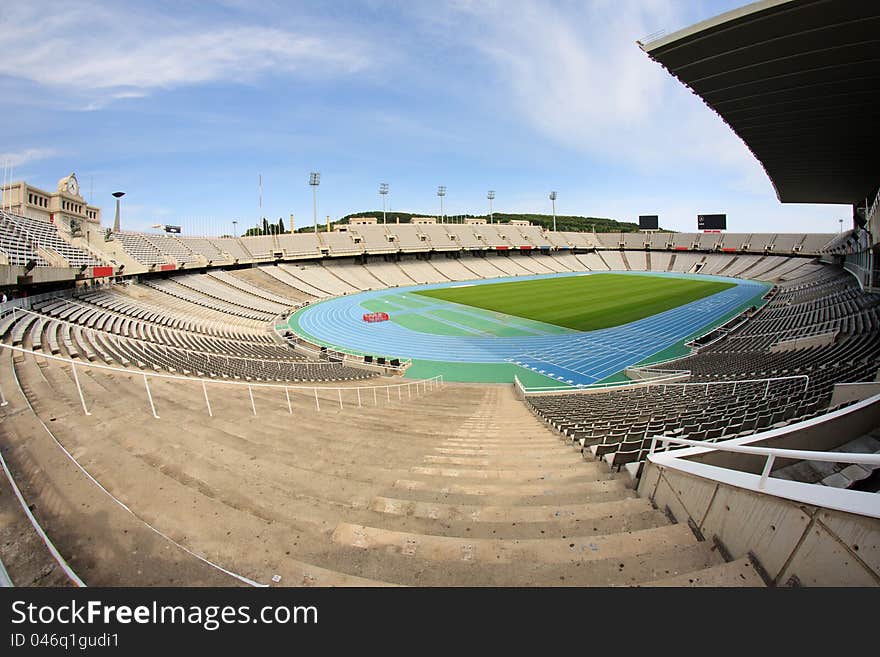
<point>476,403</point>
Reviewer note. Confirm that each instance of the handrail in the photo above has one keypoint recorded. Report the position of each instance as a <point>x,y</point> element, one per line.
<point>770,452</point>
<point>437,378</point>
<point>667,380</point>
<point>596,386</point>
<point>5,580</point>
<point>50,546</point>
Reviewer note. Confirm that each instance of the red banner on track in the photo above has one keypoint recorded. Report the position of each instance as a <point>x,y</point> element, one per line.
<point>375,317</point>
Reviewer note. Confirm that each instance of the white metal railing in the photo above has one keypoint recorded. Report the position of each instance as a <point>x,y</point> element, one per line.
<point>595,386</point>
<point>421,386</point>
<point>771,453</point>
<point>50,546</point>
<point>648,370</point>
<point>668,380</point>
<point>852,501</point>
<point>5,580</point>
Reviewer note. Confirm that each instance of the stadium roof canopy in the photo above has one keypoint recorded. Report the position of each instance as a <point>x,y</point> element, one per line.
<point>799,82</point>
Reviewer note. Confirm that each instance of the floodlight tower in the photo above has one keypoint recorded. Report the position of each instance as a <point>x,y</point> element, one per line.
<point>383,190</point>
<point>491,197</point>
<point>234,224</point>
<point>314,181</point>
<point>441,192</point>
<point>553,201</point>
<point>117,196</point>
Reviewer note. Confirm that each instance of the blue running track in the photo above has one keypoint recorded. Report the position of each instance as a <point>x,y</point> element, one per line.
<point>571,357</point>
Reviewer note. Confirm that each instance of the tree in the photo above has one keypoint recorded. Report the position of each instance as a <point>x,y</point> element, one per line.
<point>280,225</point>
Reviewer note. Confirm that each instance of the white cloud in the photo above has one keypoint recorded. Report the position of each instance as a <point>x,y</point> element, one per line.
<point>575,73</point>
<point>107,53</point>
<point>26,156</point>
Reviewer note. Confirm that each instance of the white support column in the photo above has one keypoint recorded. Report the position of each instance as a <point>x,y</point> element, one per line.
<point>207,401</point>
<point>79,389</point>
<point>289,405</point>
<point>253,406</point>
<point>339,390</point>
<point>768,466</point>
<point>359,397</point>
<point>150,397</point>
<point>317,405</point>
<point>3,401</point>
<point>375,397</point>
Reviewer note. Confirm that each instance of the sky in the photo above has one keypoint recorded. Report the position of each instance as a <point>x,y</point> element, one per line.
<point>185,105</point>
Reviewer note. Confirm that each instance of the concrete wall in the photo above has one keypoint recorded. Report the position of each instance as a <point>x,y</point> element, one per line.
<point>844,392</point>
<point>818,340</point>
<point>796,544</point>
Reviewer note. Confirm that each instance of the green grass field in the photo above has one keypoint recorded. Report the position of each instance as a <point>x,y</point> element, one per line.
<point>583,303</point>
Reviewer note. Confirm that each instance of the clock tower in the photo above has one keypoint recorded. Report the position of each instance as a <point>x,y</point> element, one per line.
<point>69,185</point>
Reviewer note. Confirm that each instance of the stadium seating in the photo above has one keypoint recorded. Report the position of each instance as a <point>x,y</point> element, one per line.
<point>114,328</point>
<point>464,492</point>
<point>738,385</point>
<point>21,237</point>
<point>468,489</point>
<point>142,249</point>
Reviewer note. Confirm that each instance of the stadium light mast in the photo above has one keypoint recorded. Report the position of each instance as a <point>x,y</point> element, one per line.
<point>234,231</point>
<point>314,181</point>
<point>841,225</point>
<point>117,196</point>
<point>441,192</point>
<point>383,190</point>
<point>553,202</point>
<point>491,197</point>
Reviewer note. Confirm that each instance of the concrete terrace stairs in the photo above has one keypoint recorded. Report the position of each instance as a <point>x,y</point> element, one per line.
<point>461,486</point>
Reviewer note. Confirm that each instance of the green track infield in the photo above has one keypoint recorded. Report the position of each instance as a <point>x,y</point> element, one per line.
<point>582,303</point>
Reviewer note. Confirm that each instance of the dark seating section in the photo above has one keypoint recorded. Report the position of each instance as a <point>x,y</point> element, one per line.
<point>719,403</point>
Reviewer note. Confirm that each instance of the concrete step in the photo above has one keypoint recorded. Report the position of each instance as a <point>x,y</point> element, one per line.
<point>393,566</point>
<point>509,490</point>
<point>586,471</point>
<point>561,550</point>
<point>739,572</point>
<point>511,513</point>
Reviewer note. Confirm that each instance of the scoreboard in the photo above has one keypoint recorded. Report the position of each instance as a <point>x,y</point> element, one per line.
<point>649,222</point>
<point>711,222</point>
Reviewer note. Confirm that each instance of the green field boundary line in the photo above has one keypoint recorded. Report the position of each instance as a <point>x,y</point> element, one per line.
<point>679,350</point>
<point>593,302</point>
